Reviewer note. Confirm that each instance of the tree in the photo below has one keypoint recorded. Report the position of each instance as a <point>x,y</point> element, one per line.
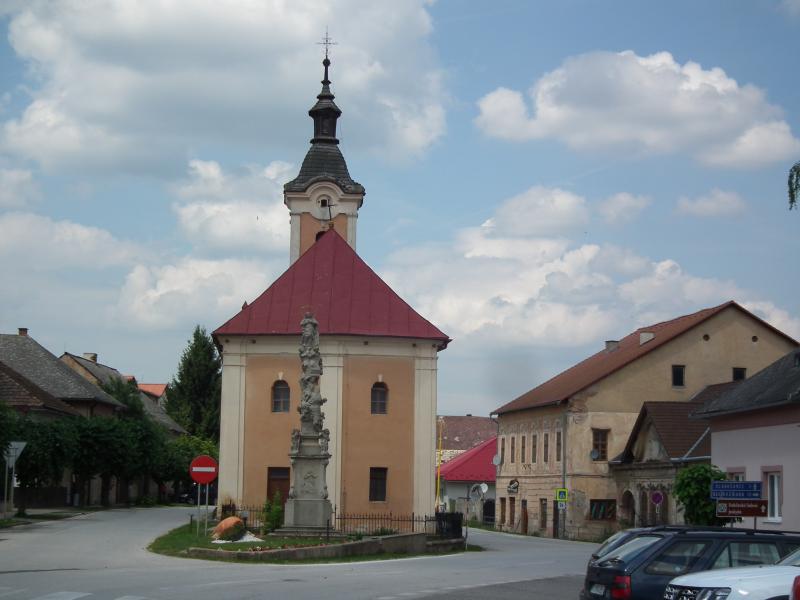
<point>193,395</point>
<point>106,447</point>
<point>794,185</point>
<point>8,426</point>
<point>693,491</point>
<point>126,392</point>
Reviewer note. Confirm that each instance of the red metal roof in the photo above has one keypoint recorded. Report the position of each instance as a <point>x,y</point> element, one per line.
<point>344,294</point>
<point>604,363</point>
<point>472,465</point>
<point>154,389</point>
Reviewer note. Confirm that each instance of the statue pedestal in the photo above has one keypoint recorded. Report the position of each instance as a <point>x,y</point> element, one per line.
<point>308,508</point>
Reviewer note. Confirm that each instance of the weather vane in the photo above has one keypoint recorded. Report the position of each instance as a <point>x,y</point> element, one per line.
<point>327,41</point>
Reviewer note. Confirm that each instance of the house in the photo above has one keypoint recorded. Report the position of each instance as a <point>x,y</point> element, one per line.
<point>464,478</point>
<point>755,436</point>
<point>25,356</point>
<point>28,399</point>
<point>379,357</point>
<point>154,396</point>
<point>562,433</point>
<point>88,367</point>
<point>459,433</point>
<point>665,438</point>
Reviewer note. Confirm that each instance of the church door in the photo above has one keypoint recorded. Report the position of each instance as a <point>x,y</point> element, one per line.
<point>278,481</point>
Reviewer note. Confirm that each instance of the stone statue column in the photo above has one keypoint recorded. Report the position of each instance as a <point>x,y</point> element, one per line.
<point>308,508</point>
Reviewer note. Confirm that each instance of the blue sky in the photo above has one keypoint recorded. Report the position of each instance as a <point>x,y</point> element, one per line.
<point>540,177</point>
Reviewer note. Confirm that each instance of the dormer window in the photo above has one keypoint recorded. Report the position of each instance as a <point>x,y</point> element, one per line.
<point>323,202</point>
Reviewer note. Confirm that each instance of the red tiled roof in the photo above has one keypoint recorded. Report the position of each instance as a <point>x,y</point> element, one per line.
<point>154,389</point>
<point>344,294</point>
<point>472,465</point>
<point>604,363</point>
<point>462,432</point>
<point>23,395</point>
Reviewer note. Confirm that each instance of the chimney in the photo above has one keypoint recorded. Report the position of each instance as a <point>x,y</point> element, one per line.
<point>23,331</point>
<point>645,336</point>
<point>612,345</point>
<point>92,356</point>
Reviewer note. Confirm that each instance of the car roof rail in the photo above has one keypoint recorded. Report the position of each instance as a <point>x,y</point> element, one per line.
<point>740,530</point>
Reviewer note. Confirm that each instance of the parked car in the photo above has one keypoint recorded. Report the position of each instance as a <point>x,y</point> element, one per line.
<point>774,582</point>
<point>641,568</point>
<point>625,535</point>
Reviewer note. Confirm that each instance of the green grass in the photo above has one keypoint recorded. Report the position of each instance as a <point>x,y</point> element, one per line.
<point>180,539</point>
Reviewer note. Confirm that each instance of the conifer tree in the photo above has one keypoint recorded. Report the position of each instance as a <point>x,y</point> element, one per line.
<point>193,395</point>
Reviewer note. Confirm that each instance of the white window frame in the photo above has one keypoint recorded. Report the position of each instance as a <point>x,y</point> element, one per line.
<point>774,483</point>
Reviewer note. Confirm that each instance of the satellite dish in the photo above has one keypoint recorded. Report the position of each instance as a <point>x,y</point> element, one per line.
<point>594,454</point>
<point>484,488</point>
<point>496,460</point>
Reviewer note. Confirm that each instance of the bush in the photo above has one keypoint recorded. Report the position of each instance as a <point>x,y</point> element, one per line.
<point>272,515</point>
<point>693,488</point>
<point>145,501</point>
<point>384,531</point>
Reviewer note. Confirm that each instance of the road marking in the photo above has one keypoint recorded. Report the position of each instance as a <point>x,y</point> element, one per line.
<point>63,596</point>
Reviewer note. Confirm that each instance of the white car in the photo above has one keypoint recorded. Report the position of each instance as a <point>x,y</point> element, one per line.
<point>767,582</point>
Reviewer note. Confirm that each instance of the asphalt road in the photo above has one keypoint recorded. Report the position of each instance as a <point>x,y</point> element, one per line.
<point>102,556</point>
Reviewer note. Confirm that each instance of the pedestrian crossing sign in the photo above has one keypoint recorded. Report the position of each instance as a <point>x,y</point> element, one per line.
<point>562,494</point>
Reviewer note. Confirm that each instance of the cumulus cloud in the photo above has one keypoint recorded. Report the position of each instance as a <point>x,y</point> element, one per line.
<point>17,188</point>
<point>505,284</point>
<point>234,210</point>
<point>622,207</point>
<point>34,242</point>
<point>131,86</point>
<point>190,291</point>
<point>604,100</point>
<point>539,211</point>
<point>716,203</point>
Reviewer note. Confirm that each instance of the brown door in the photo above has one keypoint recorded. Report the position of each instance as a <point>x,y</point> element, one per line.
<point>543,514</point>
<point>523,513</point>
<point>511,511</point>
<point>555,519</point>
<point>278,481</point>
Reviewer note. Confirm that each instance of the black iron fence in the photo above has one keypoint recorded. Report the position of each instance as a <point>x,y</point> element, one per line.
<point>443,525</point>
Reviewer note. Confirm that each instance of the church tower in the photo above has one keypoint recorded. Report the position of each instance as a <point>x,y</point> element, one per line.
<point>323,195</point>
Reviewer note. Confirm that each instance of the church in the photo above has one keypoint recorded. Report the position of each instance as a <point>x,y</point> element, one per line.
<point>379,357</point>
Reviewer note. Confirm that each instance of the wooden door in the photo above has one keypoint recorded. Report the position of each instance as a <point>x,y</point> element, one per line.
<point>278,481</point>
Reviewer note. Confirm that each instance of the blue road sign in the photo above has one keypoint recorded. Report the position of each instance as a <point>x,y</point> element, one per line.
<point>735,490</point>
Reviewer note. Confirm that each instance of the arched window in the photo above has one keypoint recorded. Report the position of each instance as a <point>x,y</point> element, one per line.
<point>280,396</point>
<point>380,398</point>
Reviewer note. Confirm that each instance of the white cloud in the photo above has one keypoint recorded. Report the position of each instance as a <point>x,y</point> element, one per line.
<point>622,207</point>
<point>17,188</point>
<point>140,85</point>
<point>539,211</point>
<point>33,242</point>
<point>716,203</point>
<point>234,210</point>
<point>791,6</point>
<point>603,100</point>
<point>190,291</point>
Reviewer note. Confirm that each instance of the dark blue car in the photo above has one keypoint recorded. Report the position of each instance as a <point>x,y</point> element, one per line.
<point>642,566</point>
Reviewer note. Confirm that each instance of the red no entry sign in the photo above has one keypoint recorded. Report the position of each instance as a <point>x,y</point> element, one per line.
<point>203,469</point>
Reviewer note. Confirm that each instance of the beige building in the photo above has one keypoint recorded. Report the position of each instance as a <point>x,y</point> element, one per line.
<point>563,433</point>
<point>379,357</point>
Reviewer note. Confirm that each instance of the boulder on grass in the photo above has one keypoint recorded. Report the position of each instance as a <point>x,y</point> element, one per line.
<point>230,529</point>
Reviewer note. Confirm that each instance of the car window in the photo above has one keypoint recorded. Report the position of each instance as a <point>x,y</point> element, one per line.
<point>606,546</point>
<point>793,560</point>
<point>790,547</point>
<point>746,554</point>
<point>678,558</point>
<point>632,548</point>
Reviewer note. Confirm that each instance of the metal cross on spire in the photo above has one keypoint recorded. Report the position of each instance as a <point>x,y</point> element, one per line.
<point>327,41</point>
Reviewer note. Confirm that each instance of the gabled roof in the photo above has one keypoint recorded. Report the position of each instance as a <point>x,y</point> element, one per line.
<point>682,437</point>
<point>472,465</point>
<point>630,348</point>
<point>344,294</point>
<point>21,394</point>
<point>31,360</point>
<point>776,385</point>
<point>154,389</point>
<point>102,373</point>
<point>462,432</point>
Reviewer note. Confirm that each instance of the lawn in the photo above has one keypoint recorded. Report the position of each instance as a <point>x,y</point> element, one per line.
<point>175,542</point>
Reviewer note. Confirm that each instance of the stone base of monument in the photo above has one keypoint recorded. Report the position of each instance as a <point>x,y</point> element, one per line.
<point>307,513</point>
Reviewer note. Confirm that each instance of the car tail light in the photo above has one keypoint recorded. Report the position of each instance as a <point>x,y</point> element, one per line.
<point>795,589</point>
<point>621,588</point>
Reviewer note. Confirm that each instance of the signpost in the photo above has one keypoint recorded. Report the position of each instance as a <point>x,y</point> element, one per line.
<point>739,499</point>
<point>11,455</point>
<point>203,470</point>
<point>742,508</point>
<point>736,490</point>
<point>562,494</point>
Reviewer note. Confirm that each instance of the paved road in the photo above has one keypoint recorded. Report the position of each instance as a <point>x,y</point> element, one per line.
<point>102,556</point>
